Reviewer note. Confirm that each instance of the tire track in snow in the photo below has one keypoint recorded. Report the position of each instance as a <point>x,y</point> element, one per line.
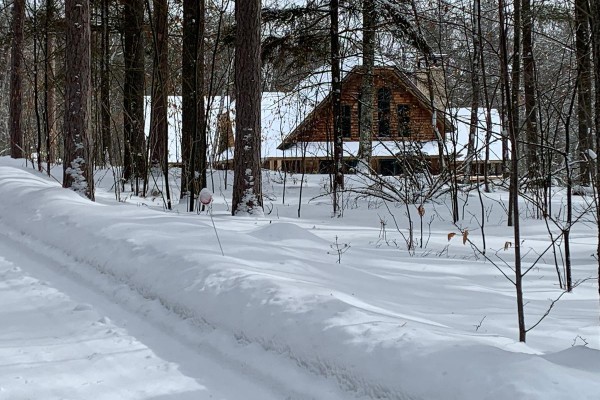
<point>172,332</point>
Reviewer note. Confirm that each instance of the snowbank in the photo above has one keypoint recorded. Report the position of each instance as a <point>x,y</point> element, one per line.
<point>355,323</point>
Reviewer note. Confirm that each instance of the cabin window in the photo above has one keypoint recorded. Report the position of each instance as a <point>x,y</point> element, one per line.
<point>346,121</point>
<point>389,167</point>
<point>403,120</point>
<point>384,98</point>
<point>326,167</point>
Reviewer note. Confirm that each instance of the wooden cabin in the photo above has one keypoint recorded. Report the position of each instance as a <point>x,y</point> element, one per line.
<point>402,126</point>
<point>297,127</point>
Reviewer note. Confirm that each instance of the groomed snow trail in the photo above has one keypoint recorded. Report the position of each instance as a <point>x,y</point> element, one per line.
<point>81,335</point>
<point>278,318</point>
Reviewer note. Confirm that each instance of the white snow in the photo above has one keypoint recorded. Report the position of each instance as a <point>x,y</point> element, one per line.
<point>459,140</point>
<point>284,318</point>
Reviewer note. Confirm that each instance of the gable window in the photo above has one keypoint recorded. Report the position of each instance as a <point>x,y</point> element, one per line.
<point>403,120</point>
<point>346,120</point>
<point>384,98</point>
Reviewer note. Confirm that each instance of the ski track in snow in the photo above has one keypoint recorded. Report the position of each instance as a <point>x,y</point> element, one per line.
<point>284,321</point>
<point>246,371</point>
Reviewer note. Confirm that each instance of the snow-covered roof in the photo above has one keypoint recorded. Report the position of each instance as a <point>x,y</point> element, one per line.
<point>313,90</point>
<point>317,85</point>
<point>379,148</point>
<point>459,140</point>
<point>280,114</point>
<point>218,105</point>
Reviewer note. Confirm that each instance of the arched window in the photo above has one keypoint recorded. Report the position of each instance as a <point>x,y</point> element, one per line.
<point>384,99</point>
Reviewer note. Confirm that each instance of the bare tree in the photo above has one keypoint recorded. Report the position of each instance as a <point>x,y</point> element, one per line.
<point>78,168</point>
<point>247,190</point>
<point>49,86</point>
<point>475,85</point>
<point>16,81</point>
<point>595,23</point>
<point>160,71</point>
<point>529,81</point>
<point>336,106</point>
<point>5,47</point>
<point>199,142</point>
<point>192,99</point>
<point>514,176</point>
<point>366,96</point>
<point>133,93</point>
<point>584,87</point>
<point>105,119</point>
<point>159,126</point>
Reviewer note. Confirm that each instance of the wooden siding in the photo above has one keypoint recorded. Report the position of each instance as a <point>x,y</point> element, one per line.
<point>318,127</point>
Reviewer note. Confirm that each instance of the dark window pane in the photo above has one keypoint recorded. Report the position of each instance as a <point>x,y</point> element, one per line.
<point>389,167</point>
<point>326,166</point>
<point>403,120</point>
<point>384,98</point>
<point>346,121</point>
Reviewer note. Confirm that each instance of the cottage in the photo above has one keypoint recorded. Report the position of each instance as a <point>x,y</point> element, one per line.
<point>402,125</point>
<point>296,127</point>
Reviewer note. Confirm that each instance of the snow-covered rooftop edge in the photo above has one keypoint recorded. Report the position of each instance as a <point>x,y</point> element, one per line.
<point>277,120</point>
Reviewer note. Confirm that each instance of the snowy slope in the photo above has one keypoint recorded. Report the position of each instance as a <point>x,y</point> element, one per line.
<point>52,346</point>
<point>381,324</point>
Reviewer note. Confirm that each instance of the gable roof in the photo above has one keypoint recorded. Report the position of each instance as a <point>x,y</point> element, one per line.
<point>319,86</point>
<point>281,112</point>
<point>218,104</point>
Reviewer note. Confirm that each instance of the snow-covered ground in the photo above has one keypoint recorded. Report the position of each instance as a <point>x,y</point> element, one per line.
<point>126,300</point>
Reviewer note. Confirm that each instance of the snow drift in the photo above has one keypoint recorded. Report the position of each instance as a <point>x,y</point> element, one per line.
<point>354,323</point>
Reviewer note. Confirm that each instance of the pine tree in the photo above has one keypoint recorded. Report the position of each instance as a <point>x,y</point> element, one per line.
<point>247,190</point>
<point>133,93</point>
<point>78,168</point>
<point>16,81</point>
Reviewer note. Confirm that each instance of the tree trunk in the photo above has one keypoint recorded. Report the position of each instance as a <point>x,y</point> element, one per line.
<point>584,88</point>
<point>514,95</point>
<point>16,81</point>
<point>36,97</point>
<point>49,88</point>
<point>366,95</point>
<point>4,92</point>
<point>336,107</point>
<point>106,149</point>
<point>488,104</point>
<point>189,89</point>
<point>514,176</point>
<point>247,190</point>
<point>78,169</point>
<point>474,122</point>
<point>158,119</point>
<point>133,93</point>
<point>199,142</point>
<point>533,163</point>
<point>200,103</point>
<point>595,24</point>
<point>504,124</point>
